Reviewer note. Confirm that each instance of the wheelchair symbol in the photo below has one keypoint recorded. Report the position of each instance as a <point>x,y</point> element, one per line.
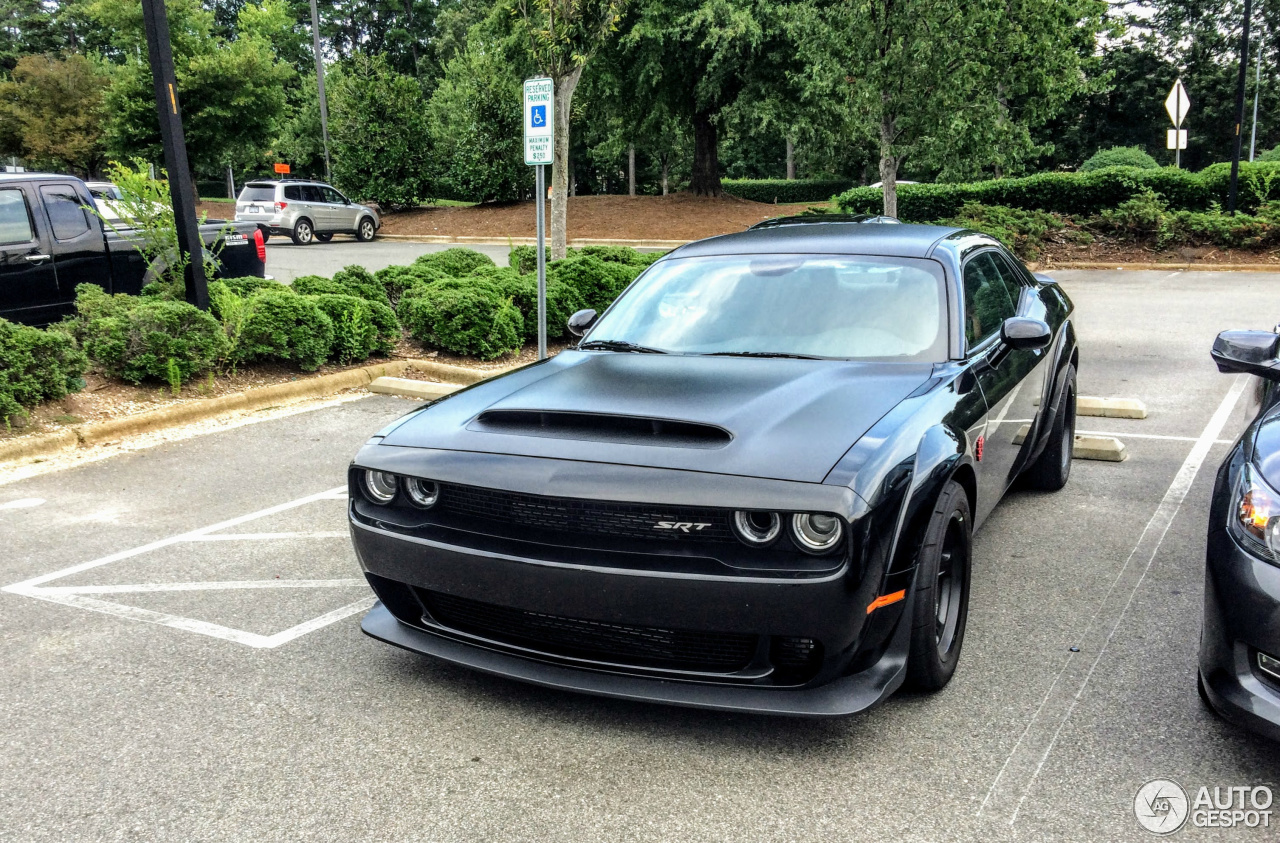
<point>538,116</point>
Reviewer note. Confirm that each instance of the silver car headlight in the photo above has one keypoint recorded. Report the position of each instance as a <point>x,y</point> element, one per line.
<point>380,487</point>
<point>421,493</point>
<point>1255,516</point>
<point>816,532</point>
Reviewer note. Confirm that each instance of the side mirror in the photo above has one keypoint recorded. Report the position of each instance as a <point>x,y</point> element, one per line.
<point>1251,352</point>
<point>581,322</point>
<point>1023,333</point>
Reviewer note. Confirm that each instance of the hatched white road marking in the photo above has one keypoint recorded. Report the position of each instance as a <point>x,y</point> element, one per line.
<point>79,596</point>
<point>1018,775</point>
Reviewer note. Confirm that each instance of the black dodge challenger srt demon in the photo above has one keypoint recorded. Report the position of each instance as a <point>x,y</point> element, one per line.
<point>751,486</point>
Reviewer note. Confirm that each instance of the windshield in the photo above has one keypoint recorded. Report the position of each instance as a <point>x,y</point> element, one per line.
<point>805,305</point>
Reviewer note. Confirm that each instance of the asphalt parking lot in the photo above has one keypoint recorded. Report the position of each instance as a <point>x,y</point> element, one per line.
<point>286,261</point>
<point>180,655</point>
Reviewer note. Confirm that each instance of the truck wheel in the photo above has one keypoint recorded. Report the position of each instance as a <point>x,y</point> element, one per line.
<point>366,230</point>
<point>1050,471</point>
<point>303,233</point>
<point>940,606</point>
<point>325,238</point>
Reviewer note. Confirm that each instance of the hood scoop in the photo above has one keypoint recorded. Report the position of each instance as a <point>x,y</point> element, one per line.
<point>598,427</point>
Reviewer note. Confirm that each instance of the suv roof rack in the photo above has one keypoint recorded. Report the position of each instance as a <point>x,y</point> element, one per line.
<point>813,219</point>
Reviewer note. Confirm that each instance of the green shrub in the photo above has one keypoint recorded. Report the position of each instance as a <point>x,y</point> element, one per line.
<point>1119,156</point>
<point>598,283</point>
<point>466,316</point>
<point>354,334</point>
<point>396,279</point>
<point>617,254</point>
<point>1022,231</point>
<point>248,286</point>
<point>153,338</point>
<point>36,366</point>
<point>93,302</point>
<point>386,327</point>
<point>1269,155</point>
<point>455,262</point>
<point>562,300</point>
<point>284,326</point>
<point>786,190</point>
<point>361,283</point>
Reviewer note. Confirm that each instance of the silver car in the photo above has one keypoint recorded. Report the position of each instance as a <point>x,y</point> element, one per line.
<point>304,210</point>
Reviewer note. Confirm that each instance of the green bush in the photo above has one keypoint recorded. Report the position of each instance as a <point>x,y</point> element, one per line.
<point>617,254</point>
<point>454,263</point>
<point>354,334</point>
<point>36,366</point>
<point>1022,231</point>
<point>284,326</point>
<point>93,302</point>
<point>562,300</point>
<point>786,190</point>
<point>1272,154</point>
<point>597,282</point>
<point>361,283</point>
<point>1119,156</point>
<point>248,286</point>
<point>466,316</point>
<point>386,327</point>
<point>396,279</point>
<point>154,339</point>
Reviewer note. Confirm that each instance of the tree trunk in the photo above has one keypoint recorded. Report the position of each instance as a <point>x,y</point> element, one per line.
<point>888,167</point>
<point>564,88</point>
<point>631,170</point>
<point>666,169</point>
<point>791,160</point>
<point>706,157</point>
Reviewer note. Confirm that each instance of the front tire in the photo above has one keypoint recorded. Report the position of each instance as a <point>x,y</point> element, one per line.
<point>366,230</point>
<point>1050,471</point>
<point>303,233</point>
<point>940,604</point>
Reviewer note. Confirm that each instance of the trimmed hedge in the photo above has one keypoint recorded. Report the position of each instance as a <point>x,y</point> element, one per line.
<point>168,341</point>
<point>562,300</point>
<point>248,286</point>
<point>1120,156</point>
<point>1085,194</point>
<point>598,282</point>
<point>284,326</point>
<point>786,190</point>
<point>354,334</point>
<point>396,279</point>
<point>36,366</point>
<point>455,262</point>
<point>466,316</point>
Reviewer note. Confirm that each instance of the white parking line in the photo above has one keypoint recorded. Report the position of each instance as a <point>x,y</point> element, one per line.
<point>1022,767</point>
<point>79,596</point>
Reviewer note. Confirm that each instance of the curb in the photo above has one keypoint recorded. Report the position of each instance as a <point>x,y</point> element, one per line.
<point>247,401</point>
<point>577,242</point>
<point>408,388</point>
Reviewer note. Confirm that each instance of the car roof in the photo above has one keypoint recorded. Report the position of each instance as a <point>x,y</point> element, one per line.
<point>10,177</point>
<point>836,237</point>
<point>274,182</point>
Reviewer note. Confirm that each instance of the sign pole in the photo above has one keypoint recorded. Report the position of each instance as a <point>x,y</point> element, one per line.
<point>539,145</point>
<point>542,261</point>
<point>181,192</point>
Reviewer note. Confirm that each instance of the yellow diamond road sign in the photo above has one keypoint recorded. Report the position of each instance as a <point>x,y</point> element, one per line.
<point>1177,104</point>
<point>539,121</point>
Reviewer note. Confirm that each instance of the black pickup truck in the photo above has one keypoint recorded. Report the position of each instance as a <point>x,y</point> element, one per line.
<point>50,242</point>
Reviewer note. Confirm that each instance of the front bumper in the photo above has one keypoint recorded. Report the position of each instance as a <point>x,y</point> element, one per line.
<point>1241,619</point>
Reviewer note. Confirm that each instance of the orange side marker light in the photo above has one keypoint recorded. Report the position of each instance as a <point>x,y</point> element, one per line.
<point>886,600</point>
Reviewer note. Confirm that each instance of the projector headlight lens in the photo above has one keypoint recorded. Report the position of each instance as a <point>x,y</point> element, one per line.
<point>757,529</point>
<point>816,532</point>
<point>380,486</point>
<point>422,493</point>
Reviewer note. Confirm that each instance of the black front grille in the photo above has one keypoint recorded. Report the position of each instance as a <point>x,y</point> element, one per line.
<point>603,518</point>
<point>647,646</point>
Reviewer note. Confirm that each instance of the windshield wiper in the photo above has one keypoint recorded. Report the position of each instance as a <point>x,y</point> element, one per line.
<point>618,345</point>
<point>762,354</point>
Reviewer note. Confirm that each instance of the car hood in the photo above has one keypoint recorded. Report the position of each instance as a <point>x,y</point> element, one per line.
<point>773,418</point>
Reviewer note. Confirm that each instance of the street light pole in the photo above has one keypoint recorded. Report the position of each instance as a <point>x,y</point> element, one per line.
<point>324,105</point>
<point>1240,80</point>
<point>181,192</point>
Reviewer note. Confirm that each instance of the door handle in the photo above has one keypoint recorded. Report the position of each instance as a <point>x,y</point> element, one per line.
<point>38,258</point>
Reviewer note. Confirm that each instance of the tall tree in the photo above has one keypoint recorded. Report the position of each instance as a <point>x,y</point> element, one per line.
<point>53,109</point>
<point>562,36</point>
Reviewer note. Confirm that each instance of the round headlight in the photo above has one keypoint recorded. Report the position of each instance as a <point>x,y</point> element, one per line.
<point>815,532</point>
<point>380,486</point>
<point>757,528</point>
<point>422,493</point>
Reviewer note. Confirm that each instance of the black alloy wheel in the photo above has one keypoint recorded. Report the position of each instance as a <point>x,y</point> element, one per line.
<point>1051,470</point>
<point>303,232</point>
<point>940,607</point>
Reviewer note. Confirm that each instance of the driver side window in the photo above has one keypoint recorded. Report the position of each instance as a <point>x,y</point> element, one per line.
<point>986,298</point>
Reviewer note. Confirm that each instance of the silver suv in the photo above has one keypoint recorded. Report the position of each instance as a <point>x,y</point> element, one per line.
<point>304,210</point>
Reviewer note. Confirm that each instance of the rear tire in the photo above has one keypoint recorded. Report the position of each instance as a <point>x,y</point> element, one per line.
<point>1050,471</point>
<point>303,233</point>
<point>366,230</point>
<point>325,238</point>
<point>940,604</point>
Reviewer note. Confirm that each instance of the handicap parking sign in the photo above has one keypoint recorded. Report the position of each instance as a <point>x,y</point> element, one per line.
<point>538,116</point>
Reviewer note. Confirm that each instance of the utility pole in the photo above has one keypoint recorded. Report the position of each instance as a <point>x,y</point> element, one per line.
<point>324,104</point>
<point>181,192</point>
<point>1240,80</point>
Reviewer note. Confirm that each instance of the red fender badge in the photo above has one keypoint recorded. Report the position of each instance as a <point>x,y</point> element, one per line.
<point>977,449</point>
